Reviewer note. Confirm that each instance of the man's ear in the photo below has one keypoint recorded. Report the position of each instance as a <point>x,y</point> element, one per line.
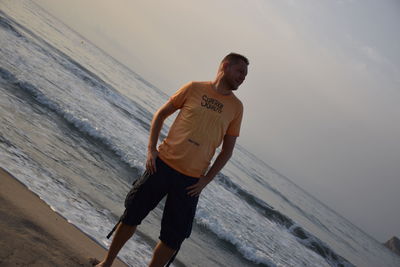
<point>225,65</point>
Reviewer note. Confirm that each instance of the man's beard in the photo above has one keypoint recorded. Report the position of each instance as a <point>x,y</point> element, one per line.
<point>231,85</point>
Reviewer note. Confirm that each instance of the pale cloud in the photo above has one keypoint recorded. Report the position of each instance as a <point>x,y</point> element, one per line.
<point>372,54</point>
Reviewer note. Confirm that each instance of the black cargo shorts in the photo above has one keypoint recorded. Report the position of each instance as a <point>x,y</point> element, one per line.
<point>179,210</point>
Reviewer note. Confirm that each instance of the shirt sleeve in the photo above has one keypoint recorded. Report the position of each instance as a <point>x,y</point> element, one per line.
<point>234,126</point>
<point>180,96</point>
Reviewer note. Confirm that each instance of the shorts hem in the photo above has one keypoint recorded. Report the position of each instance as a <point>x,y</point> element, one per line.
<point>169,244</point>
<point>125,220</point>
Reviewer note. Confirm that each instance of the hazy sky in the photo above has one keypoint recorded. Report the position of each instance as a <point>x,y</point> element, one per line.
<point>322,95</point>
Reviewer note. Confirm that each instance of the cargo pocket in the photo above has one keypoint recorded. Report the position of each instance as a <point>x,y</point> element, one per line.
<point>135,187</point>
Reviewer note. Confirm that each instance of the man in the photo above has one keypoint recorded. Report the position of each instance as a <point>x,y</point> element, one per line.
<point>210,114</point>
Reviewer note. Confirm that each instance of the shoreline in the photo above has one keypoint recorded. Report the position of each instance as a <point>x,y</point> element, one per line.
<point>33,234</point>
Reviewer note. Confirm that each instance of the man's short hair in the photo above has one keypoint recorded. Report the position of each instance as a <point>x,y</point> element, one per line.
<point>234,58</point>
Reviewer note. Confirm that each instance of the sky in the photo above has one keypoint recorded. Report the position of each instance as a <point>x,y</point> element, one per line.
<point>322,94</point>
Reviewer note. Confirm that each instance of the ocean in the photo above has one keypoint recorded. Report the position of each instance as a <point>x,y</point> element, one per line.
<point>74,126</point>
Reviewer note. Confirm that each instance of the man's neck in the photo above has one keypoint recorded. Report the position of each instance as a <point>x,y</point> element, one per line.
<point>220,87</point>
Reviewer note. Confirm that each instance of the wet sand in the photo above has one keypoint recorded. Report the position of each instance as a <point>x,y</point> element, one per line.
<point>32,234</point>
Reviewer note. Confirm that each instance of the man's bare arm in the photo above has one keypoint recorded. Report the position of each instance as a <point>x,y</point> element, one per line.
<point>156,124</point>
<point>222,158</point>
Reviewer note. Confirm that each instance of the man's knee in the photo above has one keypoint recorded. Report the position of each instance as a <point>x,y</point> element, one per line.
<point>126,228</point>
<point>171,241</point>
<point>166,247</point>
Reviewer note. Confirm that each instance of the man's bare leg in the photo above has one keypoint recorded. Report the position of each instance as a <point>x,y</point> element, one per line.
<point>122,234</point>
<point>161,255</point>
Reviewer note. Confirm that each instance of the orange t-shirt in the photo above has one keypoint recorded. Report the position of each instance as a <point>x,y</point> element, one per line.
<point>204,119</point>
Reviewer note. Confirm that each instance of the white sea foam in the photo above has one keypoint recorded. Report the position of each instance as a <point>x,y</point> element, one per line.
<point>248,230</point>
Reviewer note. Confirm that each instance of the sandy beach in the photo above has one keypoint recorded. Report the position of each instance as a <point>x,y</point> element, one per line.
<point>32,234</point>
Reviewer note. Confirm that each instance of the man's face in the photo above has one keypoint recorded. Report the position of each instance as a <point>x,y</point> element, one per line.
<point>235,74</point>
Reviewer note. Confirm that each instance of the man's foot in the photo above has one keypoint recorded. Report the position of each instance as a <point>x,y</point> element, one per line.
<point>95,262</point>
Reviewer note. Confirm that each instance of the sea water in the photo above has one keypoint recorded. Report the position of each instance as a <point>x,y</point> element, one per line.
<point>74,126</point>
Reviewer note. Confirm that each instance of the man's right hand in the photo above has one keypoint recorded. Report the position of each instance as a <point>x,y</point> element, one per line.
<point>151,161</point>
<point>156,125</point>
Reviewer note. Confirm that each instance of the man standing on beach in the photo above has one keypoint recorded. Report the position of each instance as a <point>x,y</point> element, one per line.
<point>210,114</point>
